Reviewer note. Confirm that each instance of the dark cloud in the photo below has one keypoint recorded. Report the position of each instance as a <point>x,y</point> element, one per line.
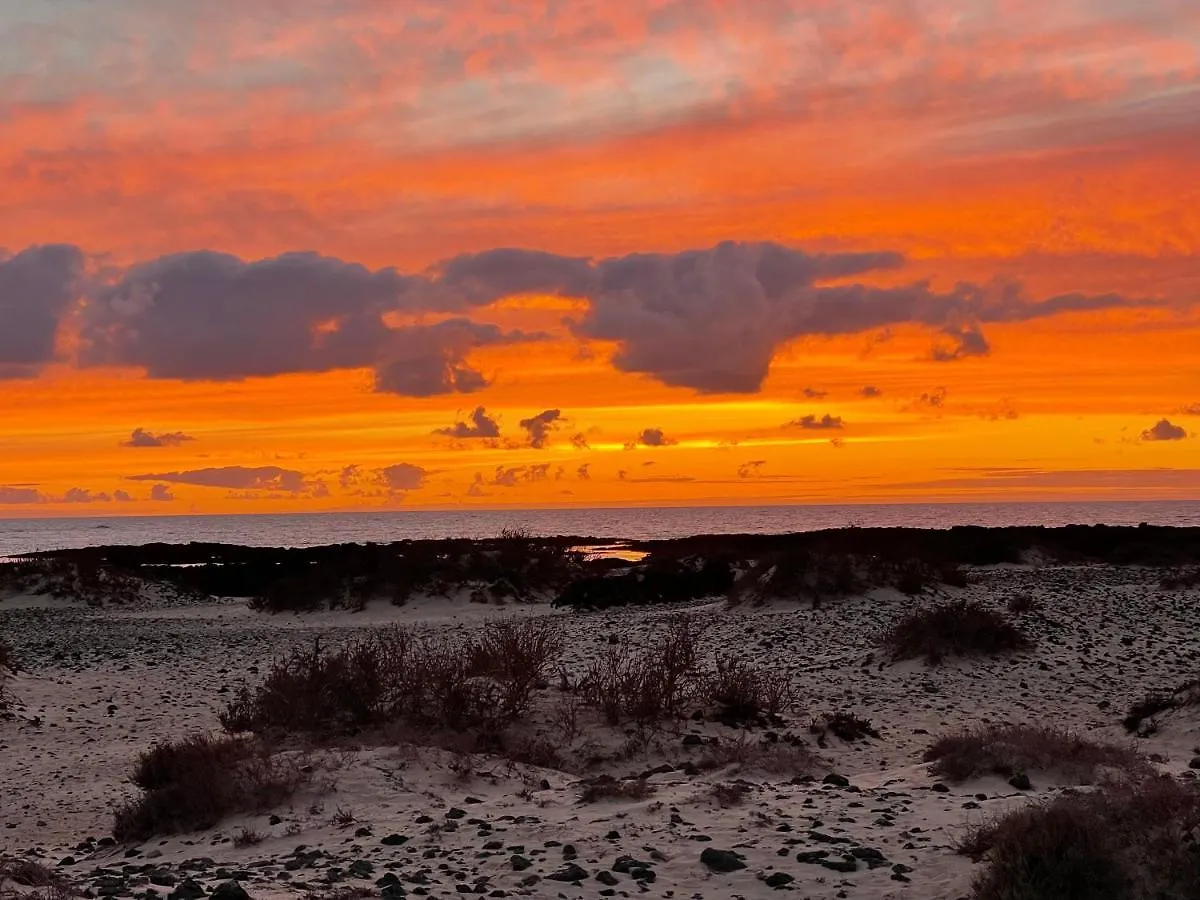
<point>584,472</point>
<point>751,469</point>
<point>813,393</point>
<point>1163,430</point>
<point>122,497</point>
<point>80,495</point>
<point>812,423</point>
<point>935,399</point>
<point>402,477</point>
<point>12,495</point>
<point>712,320</point>
<point>541,425</point>
<point>869,391</point>
<point>205,315</point>
<point>968,340</point>
<point>481,425</point>
<point>160,493</point>
<point>1191,410</point>
<point>476,279</point>
<point>143,438</point>
<point>650,437</point>
<point>580,441</point>
<point>37,286</point>
<point>260,478</point>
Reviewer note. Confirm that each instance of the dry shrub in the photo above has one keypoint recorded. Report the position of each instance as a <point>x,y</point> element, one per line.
<point>1140,719</point>
<point>744,693</point>
<point>393,676</point>
<point>1020,604</point>
<point>1007,750</point>
<point>647,687</point>
<point>248,837</point>
<point>785,756</point>
<point>8,665</point>
<point>847,726</point>
<point>1132,841</point>
<point>605,787</point>
<point>731,793</point>
<point>192,784</point>
<point>25,879</point>
<point>959,628</point>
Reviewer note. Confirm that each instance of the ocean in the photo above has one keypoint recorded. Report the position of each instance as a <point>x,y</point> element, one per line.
<point>19,536</point>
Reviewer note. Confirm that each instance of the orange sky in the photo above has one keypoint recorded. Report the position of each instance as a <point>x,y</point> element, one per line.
<point>795,251</point>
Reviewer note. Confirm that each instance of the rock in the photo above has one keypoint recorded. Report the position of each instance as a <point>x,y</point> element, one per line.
<point>836,780</point>
<point>394,840</point>
<point>779,879</point>
<point>187,890</point>
<point>692,740</point>
<point>569,872</point>
<point>1021,782</point>
<point>1195,763</point>
<point>811,856</point>
<point>607,877</point>
<point>520,863</point>
<point>839,865</point>
<point>940,788</point>
<point>229,890</point>
<point>721,860</point>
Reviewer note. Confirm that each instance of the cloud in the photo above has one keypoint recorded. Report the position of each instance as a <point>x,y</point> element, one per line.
<point>122,497</point>
<point>584,473</point>
<point>580,442</point>
<point>541,425</point>
<point>37,286</point>
<point>402,477</point>
<point>1163,430</point>
<point>751,469</point>
<point>260,478</point>
<point>935,399</point>
<point>870,391</point>
<point>650,437</point>
<point>11,496</point>
<point>968,341</point>
<point>80,495</point>
<point>212,316</point>
<point>1191,410</point>
<point>160,493</point>
<point>812,423</point>
<point>143,438</point>
<point>481,425</point>
<point>711,319</point>
<point>813,393</point>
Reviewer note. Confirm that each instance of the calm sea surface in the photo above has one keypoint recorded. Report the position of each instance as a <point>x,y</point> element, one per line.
<point>304,530</point>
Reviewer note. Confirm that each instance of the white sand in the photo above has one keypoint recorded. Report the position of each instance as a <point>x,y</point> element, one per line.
<point>105,684</point>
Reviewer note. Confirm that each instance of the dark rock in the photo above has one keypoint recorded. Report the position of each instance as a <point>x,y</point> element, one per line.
<point>839,865</point>
<point>187,890</point>
<point>811,856</point>
<point>940,788</point>
<point>569,872</point>
<point>722,860</point>
<point>394,840</point>
<point>520,863</point>
<point>1195,763</point>
<point>836,780</point>
<point>607,877</point>
<point>229,890</point>
<point>779,879</point>
<point>1021,782</point>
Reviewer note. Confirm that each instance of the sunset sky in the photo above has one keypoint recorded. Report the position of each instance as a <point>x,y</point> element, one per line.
<point>299,255</point>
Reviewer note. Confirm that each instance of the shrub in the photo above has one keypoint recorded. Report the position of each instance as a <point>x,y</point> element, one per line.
<point>959,628</point>
<point>393,676</point>
<point>605,787</point>
<point>744,693</point>
<point>647,687</point>
<point>847,726</point>
<point>730,793</point>
<point>8,665</point>
<point>1132,841</point>
<point>192,784</point>
<point>1144,710</point>
<point>785,755</point>
<point>1008,750</point>
<point>248,837</point>
<point>1182,580</point>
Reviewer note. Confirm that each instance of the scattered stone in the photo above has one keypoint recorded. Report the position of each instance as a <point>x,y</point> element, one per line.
<point>721,860</point>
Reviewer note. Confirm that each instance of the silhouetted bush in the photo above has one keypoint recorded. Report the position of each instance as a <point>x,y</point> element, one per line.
<point>1181,580</point>
<point>846,726</point>
<point>958,628</point>
<point>654,582</point>
<point>744,693</point>
<point>1133,841</point>
<point>393,676</point>
<point>192,784</point>
<point>1008,750</point>
<point>1141,717</point>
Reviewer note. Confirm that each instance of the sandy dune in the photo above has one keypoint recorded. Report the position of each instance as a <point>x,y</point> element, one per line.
<point>104,684</point>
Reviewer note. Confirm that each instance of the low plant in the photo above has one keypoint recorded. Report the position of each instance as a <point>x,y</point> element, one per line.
<point>957,628</point>
<point>192,784</point>
<point>1140,719</point>
<point>1129,841</point>
<point>605,787</point>
<point>1008,750</point>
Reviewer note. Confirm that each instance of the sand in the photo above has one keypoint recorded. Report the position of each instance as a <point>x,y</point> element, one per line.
<point>104,684</point>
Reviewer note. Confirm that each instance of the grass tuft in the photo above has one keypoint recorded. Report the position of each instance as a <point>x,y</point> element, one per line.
<point>959,628</point>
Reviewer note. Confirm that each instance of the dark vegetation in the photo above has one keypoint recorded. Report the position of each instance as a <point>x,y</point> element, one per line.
<point>29,880</point>
<point>1181,580</point>
<point>195,782</point>
<point>845,726</point>
<point>517,566</point>
<point>957,628</point>
<point>1128,841</point>
<point>1141,719</point>
<point>1009,750</point>
<point>8,665</point>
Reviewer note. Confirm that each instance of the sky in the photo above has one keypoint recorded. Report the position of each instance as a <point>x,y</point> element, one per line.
<point>304,255</point>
